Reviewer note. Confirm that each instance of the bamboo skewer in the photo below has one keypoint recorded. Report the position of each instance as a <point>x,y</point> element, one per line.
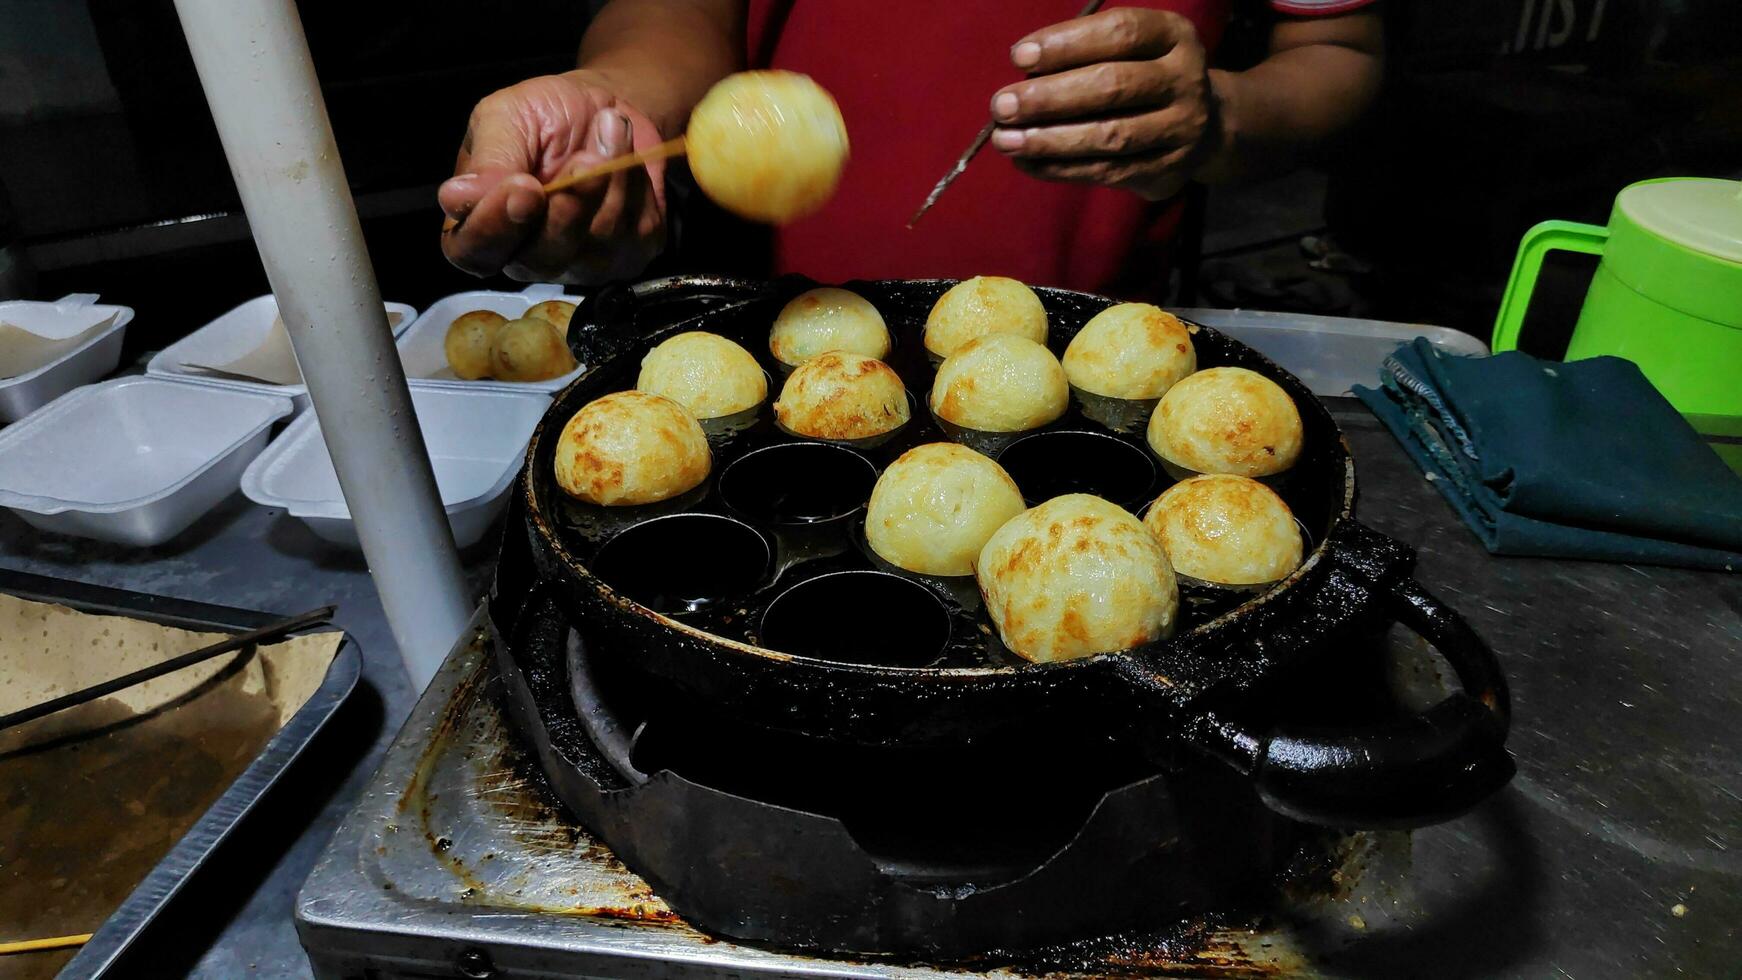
<point>962,162</point>
<point>670,148</point>
<point>39,945</point>
<point>974,148</point>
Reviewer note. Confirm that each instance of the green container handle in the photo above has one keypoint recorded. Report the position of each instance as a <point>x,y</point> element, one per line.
<point>1568,236</point>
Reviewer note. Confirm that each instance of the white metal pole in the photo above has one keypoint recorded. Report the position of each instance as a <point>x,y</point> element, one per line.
<point>254,64</point>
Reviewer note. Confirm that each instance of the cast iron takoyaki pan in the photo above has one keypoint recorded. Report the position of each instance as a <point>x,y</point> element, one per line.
<point>756,596</point>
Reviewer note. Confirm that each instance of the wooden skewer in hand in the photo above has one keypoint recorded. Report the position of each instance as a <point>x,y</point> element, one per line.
<point>670,148</point>
<point>766,145</point>
<point>974,148</point>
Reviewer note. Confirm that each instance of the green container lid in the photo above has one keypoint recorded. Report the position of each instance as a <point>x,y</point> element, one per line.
<point>1679,242</point>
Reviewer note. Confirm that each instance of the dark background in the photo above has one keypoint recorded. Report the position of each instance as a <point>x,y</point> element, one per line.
<point>1497,114</point>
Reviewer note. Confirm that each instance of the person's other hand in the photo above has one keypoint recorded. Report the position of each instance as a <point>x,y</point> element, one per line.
<point>1121,98</point>
<point>500,220</point>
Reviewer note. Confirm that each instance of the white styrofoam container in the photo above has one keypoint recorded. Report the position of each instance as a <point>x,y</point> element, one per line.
<point>1328,353</point>
<point>236,334</point>
<point>90,360</point>
<point>476,439</point>
<point>421,347</point>
<point>133,460</point>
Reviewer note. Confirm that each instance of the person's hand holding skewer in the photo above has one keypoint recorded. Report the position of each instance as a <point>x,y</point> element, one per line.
<point>1122,98</point>
<point>500,219</point>
<point>536,201</point>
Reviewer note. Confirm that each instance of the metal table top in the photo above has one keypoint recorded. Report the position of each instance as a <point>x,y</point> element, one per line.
<point>1614,853</point>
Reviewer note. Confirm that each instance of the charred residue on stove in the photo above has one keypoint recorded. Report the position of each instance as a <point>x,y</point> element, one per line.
<point>874,835</point>
<point>1258,938</point>
<point>517,801</point>
<point>1222,947</point>
<point>1332,873</point>
<point>653,912</point>
<point>417,799</point>
<point>1328,865</point>
<point>1324,868</point>
<point>521,802</point>
<point>450,719</point>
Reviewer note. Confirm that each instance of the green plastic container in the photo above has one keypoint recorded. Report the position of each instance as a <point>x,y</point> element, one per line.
<point>1667,295</point>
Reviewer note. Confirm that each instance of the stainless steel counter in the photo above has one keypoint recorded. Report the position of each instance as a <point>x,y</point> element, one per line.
<point>1616,853</point>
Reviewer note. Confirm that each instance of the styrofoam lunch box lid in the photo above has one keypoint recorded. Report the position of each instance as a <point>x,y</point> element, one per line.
<point>60,321</point>
<point>236,334</point>
<point>476,440</point>
<point>421,348</point>
<point>1329,353</point>
<point>125,443</point>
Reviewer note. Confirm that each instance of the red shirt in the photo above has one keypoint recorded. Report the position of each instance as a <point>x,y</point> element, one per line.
<point>914,79</point>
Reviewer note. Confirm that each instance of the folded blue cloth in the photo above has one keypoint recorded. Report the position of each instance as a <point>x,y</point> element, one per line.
<point>1583,459</point>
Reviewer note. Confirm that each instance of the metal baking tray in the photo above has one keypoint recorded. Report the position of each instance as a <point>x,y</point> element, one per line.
<point>149,898</point>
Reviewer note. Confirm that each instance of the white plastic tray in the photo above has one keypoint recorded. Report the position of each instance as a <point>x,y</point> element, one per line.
<point>1328,353</point>
<point>476,439</point>
<point>234,335</point>
<point>426,362</point>
<point>133,460</point>
<point>96,356</point>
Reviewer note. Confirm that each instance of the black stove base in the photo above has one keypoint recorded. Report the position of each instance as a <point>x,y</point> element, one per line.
<point>793,843</point>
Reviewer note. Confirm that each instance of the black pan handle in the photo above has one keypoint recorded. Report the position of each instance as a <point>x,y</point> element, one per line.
<point>1409,773</point>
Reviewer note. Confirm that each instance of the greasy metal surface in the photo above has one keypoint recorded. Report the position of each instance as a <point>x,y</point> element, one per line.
<point>458,850</point>
<point>1615,851</point>
<point>190,779</point>
<point>1626,683</point>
